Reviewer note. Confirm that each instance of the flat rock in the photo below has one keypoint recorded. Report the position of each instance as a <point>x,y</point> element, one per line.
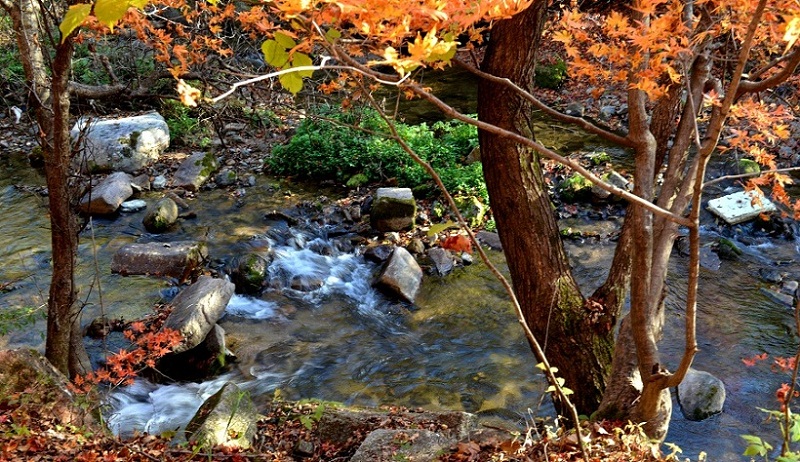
<point>779,297</point>
<point>489,239</point>
<point>195,170</point>
<point>121,143</point>
<point>401,276</point>
<point>108,195</point>
<point>174,259</point>
<point>197,308</point>
<point>740,207</point>
<point>442,260</point>
<point>132,206</point>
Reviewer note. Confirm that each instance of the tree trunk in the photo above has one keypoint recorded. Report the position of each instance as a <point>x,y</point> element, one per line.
<point>50,100</point>
<point>577,337</point>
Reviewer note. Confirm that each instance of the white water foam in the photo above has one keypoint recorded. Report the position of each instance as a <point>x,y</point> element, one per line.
<point>251,308</point>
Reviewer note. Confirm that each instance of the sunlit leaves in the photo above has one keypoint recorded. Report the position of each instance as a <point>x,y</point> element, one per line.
<point>74,18</point>
<point>792,32</point>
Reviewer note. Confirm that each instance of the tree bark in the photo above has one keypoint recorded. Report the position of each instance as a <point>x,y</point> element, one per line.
<point>577,337</point>
<point>50,101</point>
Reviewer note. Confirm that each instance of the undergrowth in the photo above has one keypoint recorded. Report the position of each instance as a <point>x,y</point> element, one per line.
<point>351,147</point>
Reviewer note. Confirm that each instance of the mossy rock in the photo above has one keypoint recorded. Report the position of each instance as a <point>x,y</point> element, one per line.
<point>250,273</point>
<point>575,188</point>
<point>393,209</point>
<point>749,166</point>
<point>162,217</point>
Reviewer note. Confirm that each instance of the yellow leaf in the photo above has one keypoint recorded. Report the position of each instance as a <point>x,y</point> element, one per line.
<point>108,12</point>
<point>792,33</point>
<point>74,18</point>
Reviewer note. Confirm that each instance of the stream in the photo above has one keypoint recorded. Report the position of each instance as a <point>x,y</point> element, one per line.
<point>458,348</point>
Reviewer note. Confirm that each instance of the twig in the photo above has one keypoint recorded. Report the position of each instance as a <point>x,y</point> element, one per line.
<point>747,175</point>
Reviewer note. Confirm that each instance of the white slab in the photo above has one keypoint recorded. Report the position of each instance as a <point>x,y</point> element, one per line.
<point>739,207</point>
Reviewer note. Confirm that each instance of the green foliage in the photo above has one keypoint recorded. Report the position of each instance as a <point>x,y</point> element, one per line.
<point>278,54</point>
<point>551,76</point>
<point>327,147</point>
<point>185,126</point>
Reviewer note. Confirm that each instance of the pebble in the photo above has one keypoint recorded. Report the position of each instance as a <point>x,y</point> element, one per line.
<point>159,182</point>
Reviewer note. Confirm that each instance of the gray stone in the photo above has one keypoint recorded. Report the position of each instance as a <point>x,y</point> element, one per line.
<point>401,276</point>
<point>615,179</point>
<point>740,207</point>
<point>489,239</point>
<point>141,183</point>
<point>378,253</point>
<point>162,216</point>
<point>227,418</point>
<point>770,275</point>
<point>159,182</point>
<point>442,260</point>
<point>393,209</point>
<point>195,170</point>
<point>132,206</point>
<point>700,395</point>
<point>789,287</point>
<point>467,259</point>
<point>407,444</point>
<point>779,297</point>
<point>473,156</point>
<point>108,195</point>
<point>416,246</point>
<point>225,177</point>
<point>121,143</point>
<point>196,310</point>
<point>176,259</point>
<point>338,425</point>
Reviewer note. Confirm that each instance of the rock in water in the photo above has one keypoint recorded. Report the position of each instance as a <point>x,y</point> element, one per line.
<point>195,170</point>
<point>106,197</point>
<point>197,309</point>
<point>175,259</point>
<point>700,395</point>
<point>401,276</point>
<point>162,216</point>
<point>121,143</point>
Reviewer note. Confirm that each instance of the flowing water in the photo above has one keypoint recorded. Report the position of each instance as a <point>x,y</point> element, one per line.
<point>459,347</point>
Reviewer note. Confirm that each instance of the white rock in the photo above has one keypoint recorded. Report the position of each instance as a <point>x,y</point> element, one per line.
<point>132,206</point>
<point>739,207</point>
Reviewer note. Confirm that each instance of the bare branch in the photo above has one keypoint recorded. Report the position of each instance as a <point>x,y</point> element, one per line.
<point>577,121</point>
<point>748,175</point>
<point>792,61</point>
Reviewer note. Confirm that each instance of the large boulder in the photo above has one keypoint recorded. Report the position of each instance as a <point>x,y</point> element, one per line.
<point>25,372</point>
<point>406,444</point>
<point>197,308</point>
<point>108,195</point>
<point>175,259</point>
<point>195,170</point>
<point>121,143</point>
<point>401,276</point>
<point>227,418</point>
<point>162,216</point>
<point>700,395</point>
<point>393,209</point>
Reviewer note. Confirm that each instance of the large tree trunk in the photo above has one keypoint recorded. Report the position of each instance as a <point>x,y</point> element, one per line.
<point>578,337</point>
<point>50,100</point>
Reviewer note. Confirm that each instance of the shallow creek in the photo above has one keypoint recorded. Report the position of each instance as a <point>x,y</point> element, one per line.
<point>459,348</point>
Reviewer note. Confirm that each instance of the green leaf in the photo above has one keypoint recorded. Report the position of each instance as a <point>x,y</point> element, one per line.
<point>74,18</point>
<point>438,228</point>
<point>274,53</point>
<point>332,35</point>
<point>291,82</point>
<point>139,4</point>
<point>284,40</point>
<point>302,59</point>
<point>108,12</point>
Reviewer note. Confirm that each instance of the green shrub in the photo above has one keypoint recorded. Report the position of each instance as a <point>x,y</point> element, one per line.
<point>185,126</point>
<point>327,147</point>
<point>551,76</point>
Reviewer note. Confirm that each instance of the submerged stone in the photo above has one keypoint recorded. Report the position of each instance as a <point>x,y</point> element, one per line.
<point>162,216</point>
